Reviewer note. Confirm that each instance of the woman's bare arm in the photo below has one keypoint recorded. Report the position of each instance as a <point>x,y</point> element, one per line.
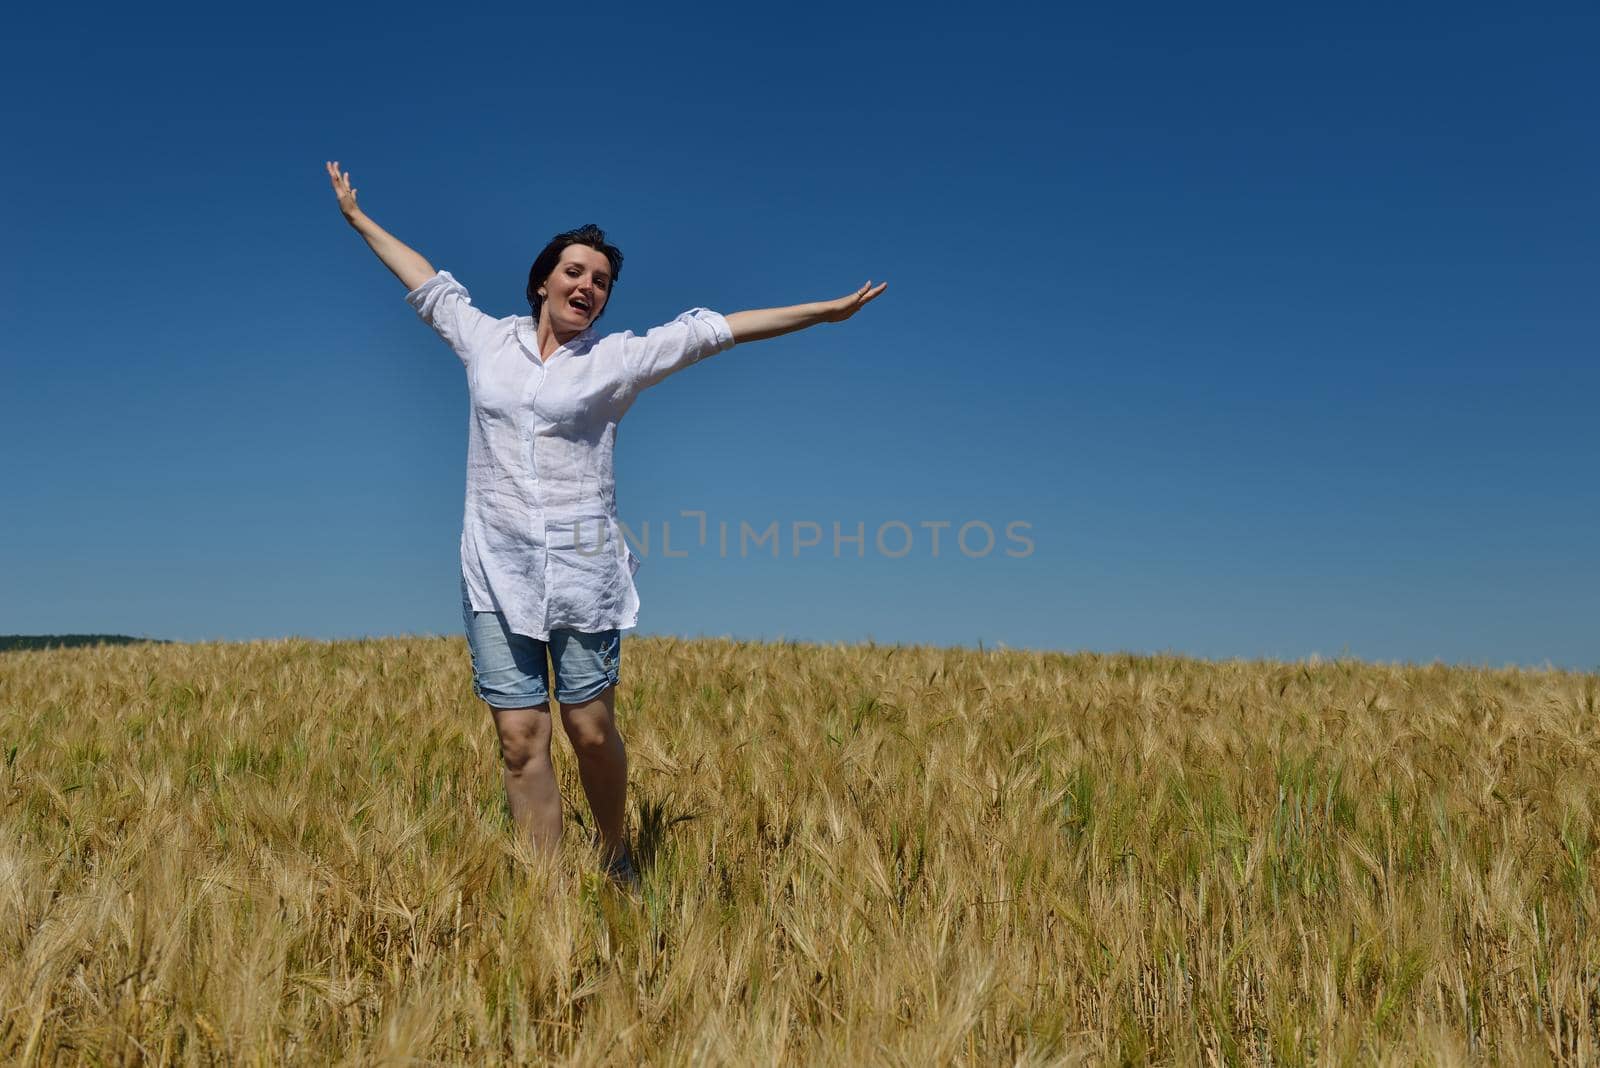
<point>771,322</point>
<point>406,263</point>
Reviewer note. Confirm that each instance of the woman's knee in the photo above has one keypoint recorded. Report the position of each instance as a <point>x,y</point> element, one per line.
<point>590,726</point>
<point>524,736</point>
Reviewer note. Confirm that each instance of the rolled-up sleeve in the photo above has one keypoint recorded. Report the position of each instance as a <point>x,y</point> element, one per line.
<point>444,304</point>
<point>670,347</point>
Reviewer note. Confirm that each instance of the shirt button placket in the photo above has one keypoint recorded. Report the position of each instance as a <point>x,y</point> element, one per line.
<point>536,519</point>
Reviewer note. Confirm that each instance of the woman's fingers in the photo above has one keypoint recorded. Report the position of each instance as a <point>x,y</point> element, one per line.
<point>848,306</point>
<point>341,186</point>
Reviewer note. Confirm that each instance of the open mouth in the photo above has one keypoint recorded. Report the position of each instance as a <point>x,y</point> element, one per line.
<point>580,304</point>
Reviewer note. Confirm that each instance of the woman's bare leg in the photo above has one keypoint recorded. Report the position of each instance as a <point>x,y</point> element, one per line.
<point>531,785</point>
<point>602,764</point>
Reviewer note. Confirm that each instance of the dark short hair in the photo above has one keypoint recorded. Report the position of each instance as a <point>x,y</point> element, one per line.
<point>588,234</point>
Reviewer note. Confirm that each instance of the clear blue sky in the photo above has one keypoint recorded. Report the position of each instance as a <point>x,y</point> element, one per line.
<point>1278,327</point>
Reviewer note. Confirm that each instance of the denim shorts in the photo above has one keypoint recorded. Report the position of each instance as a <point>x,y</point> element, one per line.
<point>510,671</point>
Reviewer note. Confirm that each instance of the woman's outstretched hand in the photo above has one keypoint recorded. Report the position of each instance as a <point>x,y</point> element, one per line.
<point>771,322</point>
<point>406,263</point>
<point>341,189</point>
<point>840,310</point>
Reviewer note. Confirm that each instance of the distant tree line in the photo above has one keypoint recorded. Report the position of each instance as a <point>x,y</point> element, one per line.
<point>12,642</point>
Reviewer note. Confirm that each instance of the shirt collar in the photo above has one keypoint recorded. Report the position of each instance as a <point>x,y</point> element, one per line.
<point>528,334</point>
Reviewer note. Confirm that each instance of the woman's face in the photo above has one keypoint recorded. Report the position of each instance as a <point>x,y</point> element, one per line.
<point>577,290</point>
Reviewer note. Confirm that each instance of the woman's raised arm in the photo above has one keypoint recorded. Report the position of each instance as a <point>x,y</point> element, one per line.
<point>406,263</point>
<point>771,322</point>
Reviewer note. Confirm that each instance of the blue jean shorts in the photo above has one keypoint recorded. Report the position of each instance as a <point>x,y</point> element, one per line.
<point>510,670</point>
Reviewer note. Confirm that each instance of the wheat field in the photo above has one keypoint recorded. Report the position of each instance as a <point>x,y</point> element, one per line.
<point>298,852</point>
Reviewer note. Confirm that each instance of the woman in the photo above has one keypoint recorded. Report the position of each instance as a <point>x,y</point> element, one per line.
<point>543,564</point>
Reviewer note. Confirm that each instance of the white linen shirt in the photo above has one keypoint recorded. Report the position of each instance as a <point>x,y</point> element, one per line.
<point>540,540</point>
